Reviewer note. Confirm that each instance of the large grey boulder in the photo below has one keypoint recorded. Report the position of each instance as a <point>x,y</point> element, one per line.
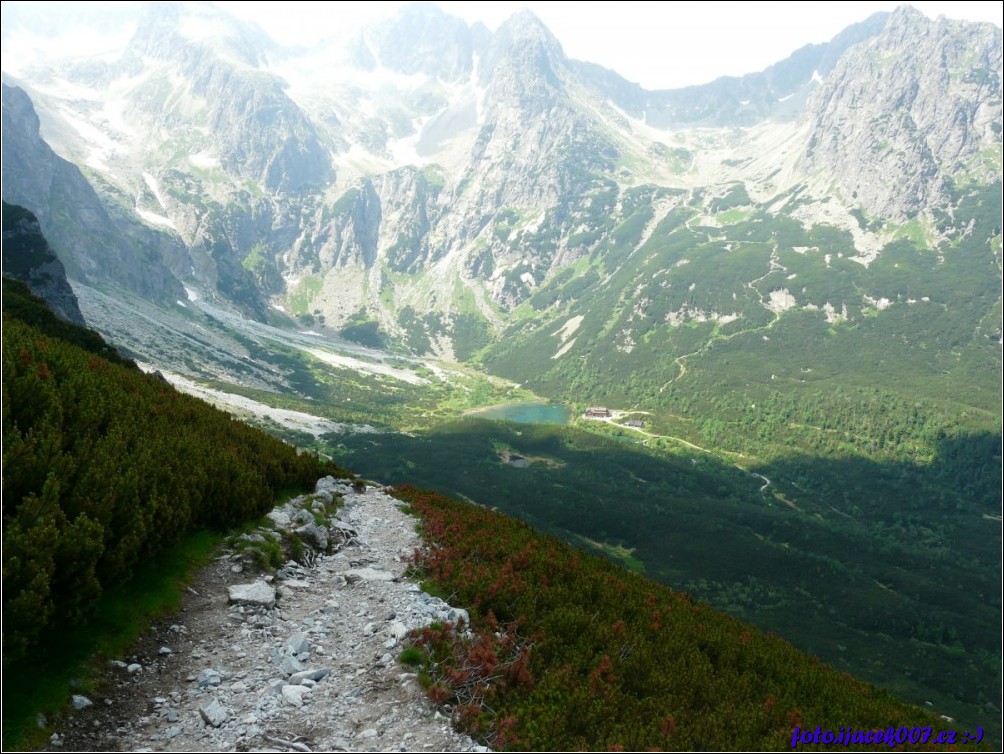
<point>290,665</point>
<point>209,677</point>
<point>258,594</point>
<point>298,644</point>
<point>214,713</point>
<point>316,674</point>
<point>367,574</point>
<point>294,694</point>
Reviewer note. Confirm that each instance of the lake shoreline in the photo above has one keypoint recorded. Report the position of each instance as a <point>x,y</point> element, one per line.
<point>525,412</point>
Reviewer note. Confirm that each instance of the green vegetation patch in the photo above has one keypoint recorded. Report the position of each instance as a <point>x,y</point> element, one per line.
<point>302,296</point>
<point>104,468</point>
<point>569,652</point>
<point>71,663</point>
<point>834,553</point>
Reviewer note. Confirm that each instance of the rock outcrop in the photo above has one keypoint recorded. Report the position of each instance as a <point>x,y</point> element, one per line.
<point>27,256</point>
<point>94,246</point>
<point>463,169</point>
<point>908,113</point>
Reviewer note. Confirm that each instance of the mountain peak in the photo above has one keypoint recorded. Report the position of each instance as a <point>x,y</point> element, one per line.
<point>529,46</point>
<point>422,38</point>
<point>906,13</point>
<point>167,28</point>
<point>906,110</point>
<point>525,25</point>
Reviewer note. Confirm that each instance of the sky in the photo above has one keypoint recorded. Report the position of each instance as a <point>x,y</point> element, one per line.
<point>659,45</point>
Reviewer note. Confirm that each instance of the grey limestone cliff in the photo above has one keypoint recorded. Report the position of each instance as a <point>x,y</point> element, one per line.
<point>909,113</point>
<point>95,246</point>
<point>27,256</point>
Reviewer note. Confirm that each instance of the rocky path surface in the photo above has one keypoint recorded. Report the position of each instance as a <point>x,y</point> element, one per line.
<point>315,670</point>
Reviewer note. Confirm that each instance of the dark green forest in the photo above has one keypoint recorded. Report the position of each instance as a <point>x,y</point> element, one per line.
<point>104,467</point>
<point>887,570</point>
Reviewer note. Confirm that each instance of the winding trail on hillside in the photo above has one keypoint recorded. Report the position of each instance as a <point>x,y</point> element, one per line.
<point>220,676</point>
<point>612,420</point>
<point>716,337</point>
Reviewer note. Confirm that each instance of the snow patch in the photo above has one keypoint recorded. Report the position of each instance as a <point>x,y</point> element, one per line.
<point>114,112</point>
<point>204,159</point>
<point>347,362</point>
<point>155,219</point>
<point>154,187</point>
<point>569,328</point>
<point>564,349</point>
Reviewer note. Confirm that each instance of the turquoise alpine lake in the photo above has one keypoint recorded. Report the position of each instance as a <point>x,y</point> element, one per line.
<point>530,412</point>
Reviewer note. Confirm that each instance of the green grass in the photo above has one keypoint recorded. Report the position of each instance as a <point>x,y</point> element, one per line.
<point>300,299</point>
<point>71,662</point>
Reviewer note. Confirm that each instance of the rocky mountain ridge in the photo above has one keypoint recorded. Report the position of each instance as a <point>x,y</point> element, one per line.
<point>426,174</point>
<point>896,132</point>
<point>93,244</point>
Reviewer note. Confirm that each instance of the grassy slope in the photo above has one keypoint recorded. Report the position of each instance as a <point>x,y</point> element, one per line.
<point>583,655</point>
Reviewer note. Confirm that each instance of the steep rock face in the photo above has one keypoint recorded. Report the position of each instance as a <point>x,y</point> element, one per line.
<point>256,131</point>
<point>94,246</point>
<point>537,159</point>
<point>27,256</point>
<point>474,166</point>
<point>537,156</point>
<point>411,208</point>
<point>421,39</point>
<point>383,220</point>
<point>906,110</point>
<point>345,234</point>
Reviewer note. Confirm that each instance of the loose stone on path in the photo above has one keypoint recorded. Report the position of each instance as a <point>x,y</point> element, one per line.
<point>305,661</point>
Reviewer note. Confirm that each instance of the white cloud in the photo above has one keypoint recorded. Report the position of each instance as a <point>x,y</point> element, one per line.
<point>660,45</point>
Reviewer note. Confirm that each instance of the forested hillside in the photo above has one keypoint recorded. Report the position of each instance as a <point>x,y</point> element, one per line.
<point>570,652</point>
<point>104,466</point>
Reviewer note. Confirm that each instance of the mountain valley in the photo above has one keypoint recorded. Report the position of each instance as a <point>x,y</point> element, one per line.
<point>790,282</point>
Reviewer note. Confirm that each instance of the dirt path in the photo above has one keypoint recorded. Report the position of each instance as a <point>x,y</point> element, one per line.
<point>615,416</point>
<point>316,672</point>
